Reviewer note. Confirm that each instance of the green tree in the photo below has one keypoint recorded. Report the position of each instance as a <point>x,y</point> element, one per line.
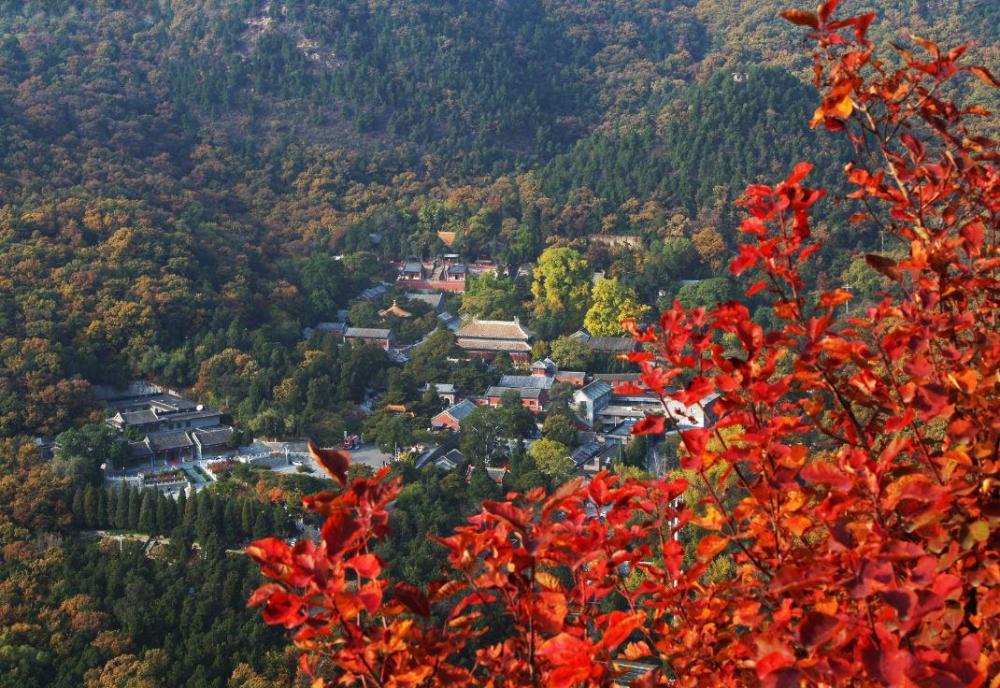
<point>481,486</point>
<point>613,302</point>
<point>707,292</point>
<point>110,507</point>
<point>190,512</point>
<point>363,314</point>
<point>483,436</point>
<point>559,427</point>
<point>389,431</point>
<point>122,509</point>
<point>262,525</point>
<point>81,451</point>
<point>518,420</point>
<point>429,361</point>
<point>570,353</point>
<point>247,517</point>
<point>322,280</point>
<point>552,459</point>
<point>180,506</point>
<point>164,515</point>
<point>493,296</point>
<point>561,286</point>
<point>147,513</point>
<point>90,515</point>
<point>76,508</point>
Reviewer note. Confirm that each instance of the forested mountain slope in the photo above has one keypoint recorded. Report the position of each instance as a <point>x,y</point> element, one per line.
<point>166,167</point>
<point>726,132</point>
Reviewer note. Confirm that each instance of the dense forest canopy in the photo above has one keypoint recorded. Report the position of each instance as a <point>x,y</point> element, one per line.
<point>185,186</point>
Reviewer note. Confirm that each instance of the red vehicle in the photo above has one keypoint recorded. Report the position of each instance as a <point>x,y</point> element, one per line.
<point>352,442</point>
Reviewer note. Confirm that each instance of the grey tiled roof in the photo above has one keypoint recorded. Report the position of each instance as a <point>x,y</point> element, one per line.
<point>432,300</point>
<point>596,389</point>
<point>460,410</point>
<point>213,437</point>
<point>587,452</point>
<point>526,381</point>
<point>146,417</point>
<point>368,332</point>
<point>173,440</point>
<point>524,392</point>
<point>330,327</point>
<point>138,450</point>
<point>612,344</point>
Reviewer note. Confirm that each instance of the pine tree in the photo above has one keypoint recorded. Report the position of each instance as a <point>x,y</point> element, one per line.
<point>111,507</point>
<point>282,520</point>
<point>190,511</point>
<point>247,518</point>
<point>147,513</point>
<point>204,526</point>
<point>101,516</point>
<point>481,486</point>
<point>77,508</point>
<point>164,514</point>
<point>262,526</point>
<point>90,506</point>
<point>135,498</point>
<point>121,509</point>
<point>180,506</point>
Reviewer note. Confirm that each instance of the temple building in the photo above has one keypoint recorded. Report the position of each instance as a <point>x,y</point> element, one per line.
<point>487,338</point>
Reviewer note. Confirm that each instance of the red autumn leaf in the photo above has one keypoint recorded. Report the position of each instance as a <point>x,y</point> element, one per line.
<point>698,389</point>
<point>825,473</point>
<point>619,628</point>
<point>637,650</point>
<point>508,512</point>
<point>367,565</point>
<point>334,462</point>
<point>800,172</point>
<point>984,75</point>
<point>569,675</point>
<point>339,531</point>
<point>756,287</point>
<point>974,233</point>
<point>564,649</point>
<point>816,628</point>
<point>282,608</point>
<point>929,46</point>
<point>269,550</point>
<point>370,597</point>
<point>549,610</point>
<point>564,491</point>
<point>801,18</point>
<point>711,545</point>
<point>695,440</point>
<point>412,598</point>
<point>773,662</point>
<point>827,8</point>
<point>650,425</point>
<point>263,593</point>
